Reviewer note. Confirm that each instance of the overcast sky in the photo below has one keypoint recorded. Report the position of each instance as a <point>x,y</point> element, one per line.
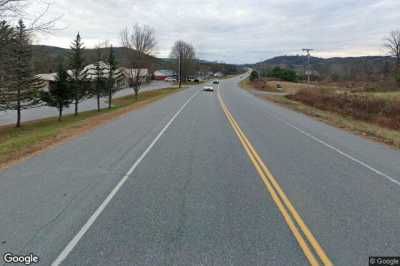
<point>234,31</point>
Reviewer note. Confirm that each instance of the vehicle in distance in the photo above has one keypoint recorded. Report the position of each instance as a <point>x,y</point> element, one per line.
<point>208,88</point>
<point>170,79</point>
<point>216,82</point>
<point>196,80</point>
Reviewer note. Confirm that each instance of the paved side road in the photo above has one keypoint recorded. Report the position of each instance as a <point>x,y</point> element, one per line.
<point>191,196</point>
<point>10,117</point>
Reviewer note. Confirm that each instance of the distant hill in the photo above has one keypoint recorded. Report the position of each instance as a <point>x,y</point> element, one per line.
<point>296,60</point>
<point>337,67</point>
<point>46,58</point>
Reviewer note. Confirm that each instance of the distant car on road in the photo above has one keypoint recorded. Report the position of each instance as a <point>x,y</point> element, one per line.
<point>196,80</point>
<point>208,88</point>
<point>216,82</point>
<point>170,79</point>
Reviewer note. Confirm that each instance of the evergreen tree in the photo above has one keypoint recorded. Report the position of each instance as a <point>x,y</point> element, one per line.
<point>60,94</point>
<point>6,35</point>
<point>100,78</point>
<point>77,65</point>
<point>283,74</point>
<point>19,90</point>
<point>253,75</point>
<point>112,65</point>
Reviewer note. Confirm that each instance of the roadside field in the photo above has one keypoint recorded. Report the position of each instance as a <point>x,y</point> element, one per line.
<point>371,114</point>
<point>260,85</point>
<point>281,86</point>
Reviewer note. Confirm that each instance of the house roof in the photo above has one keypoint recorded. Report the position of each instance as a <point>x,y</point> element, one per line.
<point>90,71</point>
<point>47,77</point>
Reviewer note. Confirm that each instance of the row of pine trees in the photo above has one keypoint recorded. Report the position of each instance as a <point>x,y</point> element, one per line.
<point>19,89</point>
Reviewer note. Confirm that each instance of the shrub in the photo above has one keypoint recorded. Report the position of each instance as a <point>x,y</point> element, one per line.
<point>253,75</point>
<point>397,77</point>
<point>283,74</point>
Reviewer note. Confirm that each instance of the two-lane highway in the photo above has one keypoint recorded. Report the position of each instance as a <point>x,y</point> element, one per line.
<point>195,199</point>
<point>203,178</point>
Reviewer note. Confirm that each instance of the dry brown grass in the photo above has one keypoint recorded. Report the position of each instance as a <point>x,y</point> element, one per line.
<point>260,85</point>
<point>377,110</point>
<point>292,87</point>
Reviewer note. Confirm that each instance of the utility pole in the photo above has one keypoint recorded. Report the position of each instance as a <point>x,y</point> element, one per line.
<point>308,71</point>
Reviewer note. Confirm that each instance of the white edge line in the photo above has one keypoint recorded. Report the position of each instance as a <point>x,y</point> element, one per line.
<point>348,156</point>
<point>71,245</point>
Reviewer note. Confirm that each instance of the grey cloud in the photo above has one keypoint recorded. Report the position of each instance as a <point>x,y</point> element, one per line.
<point>236,31</point>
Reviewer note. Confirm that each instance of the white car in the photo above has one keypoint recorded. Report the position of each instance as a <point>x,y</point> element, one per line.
<point>208,88</point>
<point>169,79</point>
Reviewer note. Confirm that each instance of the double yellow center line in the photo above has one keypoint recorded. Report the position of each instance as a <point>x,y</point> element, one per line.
<point>301,232</point>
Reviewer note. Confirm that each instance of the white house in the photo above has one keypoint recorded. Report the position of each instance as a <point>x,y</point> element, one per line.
<point>90,71</point>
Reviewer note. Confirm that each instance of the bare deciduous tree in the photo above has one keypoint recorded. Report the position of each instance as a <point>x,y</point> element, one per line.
<point>39,25</point>
<point>392,43</point>
<point>185,54</point>
<point>142,40</point>
<point>11,9</point>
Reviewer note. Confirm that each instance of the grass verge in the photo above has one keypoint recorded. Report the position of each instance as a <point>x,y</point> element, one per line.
<point>17,144</point>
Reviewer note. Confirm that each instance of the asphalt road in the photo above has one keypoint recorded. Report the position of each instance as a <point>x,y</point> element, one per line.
<point>10,117</point>
<point>175,183</point>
